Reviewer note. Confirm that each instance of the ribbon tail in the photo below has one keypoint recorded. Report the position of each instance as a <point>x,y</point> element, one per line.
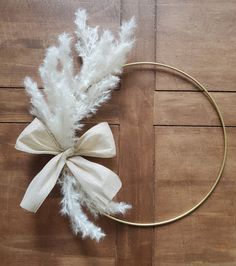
<point>42,184</point>
<point>99,182</point>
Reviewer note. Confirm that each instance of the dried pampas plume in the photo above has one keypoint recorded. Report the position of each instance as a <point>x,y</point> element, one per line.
<point>67,99</point>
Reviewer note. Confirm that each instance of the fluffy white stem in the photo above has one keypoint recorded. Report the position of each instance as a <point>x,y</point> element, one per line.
<point>71,206</point>
<point>111,208</point>
<point>68,98</point>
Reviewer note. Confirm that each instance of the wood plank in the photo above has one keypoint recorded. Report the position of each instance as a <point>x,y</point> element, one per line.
<point>199,38</point>
<point>193,108</point>
<point>14,107</point>
<point>134,245</point>
<point>170,108</point>
<point>39,258</point>
<point>29,27</point>
<point>45,232</point>
<point>26,30</point>
<point>187,161</point>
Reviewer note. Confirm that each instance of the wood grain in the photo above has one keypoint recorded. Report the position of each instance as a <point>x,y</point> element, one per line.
<point>136,144</point>
<point>199,38</point>
<point>170,108</point>
<point>187,161</point>
<point>29,27</point>
<point>14,106</point>
<point>167,135</point>
<point>193,108</point>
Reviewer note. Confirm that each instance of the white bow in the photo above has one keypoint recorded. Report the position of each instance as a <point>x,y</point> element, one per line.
<point>99,182</point>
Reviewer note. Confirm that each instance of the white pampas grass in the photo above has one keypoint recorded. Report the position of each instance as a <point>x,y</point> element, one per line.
<point>68,98</point>
<point>71,206</point>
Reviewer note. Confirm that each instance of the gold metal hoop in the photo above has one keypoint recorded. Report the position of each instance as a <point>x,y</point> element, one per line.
<point>211,99</point>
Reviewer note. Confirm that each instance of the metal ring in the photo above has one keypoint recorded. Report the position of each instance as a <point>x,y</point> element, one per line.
<point>199,85</point>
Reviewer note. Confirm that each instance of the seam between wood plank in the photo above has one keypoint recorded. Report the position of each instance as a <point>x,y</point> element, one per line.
<point>197,91</point>
<point>117,89</point>
<point>161,125</point>
<point>118,161</point>
<point>118,125</point>
<point>154,142</point>
<point>85,123</point>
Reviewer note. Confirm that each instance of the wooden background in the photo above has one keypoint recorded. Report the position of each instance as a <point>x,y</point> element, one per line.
<point>167,134</point>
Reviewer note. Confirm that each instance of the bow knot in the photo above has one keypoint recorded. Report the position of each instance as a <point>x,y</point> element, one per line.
<point>99,182</point>
<point>69,152</point>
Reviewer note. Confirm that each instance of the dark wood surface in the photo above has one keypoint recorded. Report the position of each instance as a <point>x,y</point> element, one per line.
<point>168,136</point>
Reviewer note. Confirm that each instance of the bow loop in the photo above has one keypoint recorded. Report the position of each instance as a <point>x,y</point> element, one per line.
<point>99,182</point>
<point>98,141</point>
<point>36,139</point>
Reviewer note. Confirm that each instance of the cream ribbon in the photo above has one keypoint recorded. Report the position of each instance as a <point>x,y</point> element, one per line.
<point>99,182</point>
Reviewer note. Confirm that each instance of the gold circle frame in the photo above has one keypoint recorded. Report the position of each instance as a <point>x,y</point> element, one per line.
<point>211,99</point>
